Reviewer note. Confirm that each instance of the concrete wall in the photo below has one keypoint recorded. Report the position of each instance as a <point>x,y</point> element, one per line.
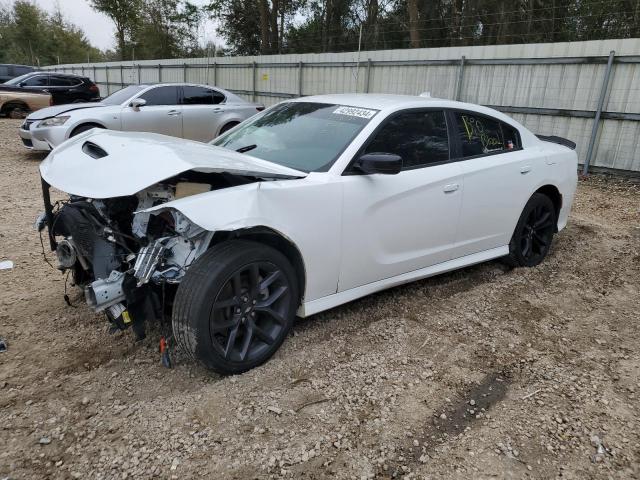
<point>552,88</point>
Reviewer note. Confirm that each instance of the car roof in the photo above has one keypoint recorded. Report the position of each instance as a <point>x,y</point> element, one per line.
<point>390,103</point>
<point>379,101</point>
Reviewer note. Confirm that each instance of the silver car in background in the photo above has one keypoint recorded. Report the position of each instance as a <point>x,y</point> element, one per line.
<point>194,112</point>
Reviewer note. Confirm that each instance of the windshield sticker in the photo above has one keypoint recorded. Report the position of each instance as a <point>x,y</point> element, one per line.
<point>355,112</point>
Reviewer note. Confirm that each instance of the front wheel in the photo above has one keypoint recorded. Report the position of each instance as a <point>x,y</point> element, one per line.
<point>534,232</point>
<point>235,306</point>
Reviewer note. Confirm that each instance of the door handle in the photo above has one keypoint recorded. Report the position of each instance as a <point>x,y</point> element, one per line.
<point>217,110</point>
<point>173,113</point>
<point>526,169</point>
<point>452,187</point>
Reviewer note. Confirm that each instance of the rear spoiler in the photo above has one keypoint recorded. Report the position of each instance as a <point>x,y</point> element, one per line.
<point>559,140</point>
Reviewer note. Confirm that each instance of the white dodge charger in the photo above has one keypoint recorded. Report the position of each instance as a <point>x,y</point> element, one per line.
<point>312,203</point>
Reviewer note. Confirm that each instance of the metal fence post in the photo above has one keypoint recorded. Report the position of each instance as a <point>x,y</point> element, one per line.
<point>121,77</point>
<point>159,73</point>
<point>95,78</point>
<point>106,74</point>
<point>139,74</point>
<point>184,73</point>
<point>460,78</point>
<point>253,69</point>
<point>215,73</point>
<point>300,65</point>
<point>596,120</point>
<point>367,76</point>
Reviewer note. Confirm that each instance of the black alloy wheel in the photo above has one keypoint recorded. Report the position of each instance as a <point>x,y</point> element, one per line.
<point>534,232</point>
<point>250,311</point>
<point>235,306</point>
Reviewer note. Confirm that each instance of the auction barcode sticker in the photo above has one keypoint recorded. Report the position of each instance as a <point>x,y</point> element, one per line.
<point>355,112</point>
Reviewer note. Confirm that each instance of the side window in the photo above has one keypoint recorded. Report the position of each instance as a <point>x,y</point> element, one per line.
<point>479,135</point>
<point>197,96</point>
<point>57,81</point>
<point>161,96</point>
<point>419,137</point>
<point>4,71</point>
<point>218,97</point>
<point>21,70</point>
<point>37,81</point>
<point>511,137</point>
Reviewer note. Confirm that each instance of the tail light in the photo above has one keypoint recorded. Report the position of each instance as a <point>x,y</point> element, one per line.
<point>50,101</point>
<point>260,108</point>
<point>94,88</point>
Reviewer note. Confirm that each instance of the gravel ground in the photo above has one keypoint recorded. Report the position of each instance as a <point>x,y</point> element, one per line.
<point>484,372</point>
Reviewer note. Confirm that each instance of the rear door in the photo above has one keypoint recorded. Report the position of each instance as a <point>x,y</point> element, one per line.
<point>65,89</point>
<point>499,177</point>
<point>161,113</point>
<point>202,112</point>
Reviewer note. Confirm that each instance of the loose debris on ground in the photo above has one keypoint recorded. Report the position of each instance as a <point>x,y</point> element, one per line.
<point>526,373</point>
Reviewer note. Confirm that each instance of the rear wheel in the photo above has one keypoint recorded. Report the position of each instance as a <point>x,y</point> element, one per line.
<point>534,232</point>
<point>235,306</point>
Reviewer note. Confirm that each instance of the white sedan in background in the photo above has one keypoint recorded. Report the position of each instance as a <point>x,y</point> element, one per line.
<point>194,112</point>
<point>313,203</point>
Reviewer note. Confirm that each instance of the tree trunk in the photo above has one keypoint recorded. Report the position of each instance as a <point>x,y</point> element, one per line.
<point>263,8</point>
<point>414,33</point>
<point>274,26</point>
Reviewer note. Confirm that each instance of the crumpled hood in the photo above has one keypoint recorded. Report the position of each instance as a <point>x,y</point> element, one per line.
<point>58,109</point>
<point>135,161</point>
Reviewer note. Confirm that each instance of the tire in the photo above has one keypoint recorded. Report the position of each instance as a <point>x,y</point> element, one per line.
<point>15,110</point>
<point>228,127</point>
<point>223,318</point>
<point>84,128</point>
<point>534,232</point>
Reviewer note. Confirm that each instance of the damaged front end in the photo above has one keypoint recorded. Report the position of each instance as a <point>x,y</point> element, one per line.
<point>122,233</point>
<point>123,256</point>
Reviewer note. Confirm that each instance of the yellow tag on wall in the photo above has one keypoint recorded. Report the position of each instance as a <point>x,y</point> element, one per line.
<point>265,76</point>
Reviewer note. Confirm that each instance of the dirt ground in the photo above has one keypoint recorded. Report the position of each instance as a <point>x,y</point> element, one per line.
<point>484,372</point>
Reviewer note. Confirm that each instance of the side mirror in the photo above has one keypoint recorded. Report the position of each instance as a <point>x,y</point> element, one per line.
<point>384,163</point>
<point>136,103</point>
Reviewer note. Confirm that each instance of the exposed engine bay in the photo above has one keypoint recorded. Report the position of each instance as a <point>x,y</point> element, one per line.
<point>127,260</point>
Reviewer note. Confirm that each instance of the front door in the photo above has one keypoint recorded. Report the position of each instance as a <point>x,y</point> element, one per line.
<point>161,113</point>
<point>394,224</point>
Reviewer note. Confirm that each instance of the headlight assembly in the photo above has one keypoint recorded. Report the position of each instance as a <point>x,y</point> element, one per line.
<point>53,121</point>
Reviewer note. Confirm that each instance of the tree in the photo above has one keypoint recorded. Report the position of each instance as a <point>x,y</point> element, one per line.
<point>125,14</point>
<point>31,36</point>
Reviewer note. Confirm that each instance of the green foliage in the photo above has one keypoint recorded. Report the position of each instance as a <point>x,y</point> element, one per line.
<point>341,25</point>
<point>30,36</point>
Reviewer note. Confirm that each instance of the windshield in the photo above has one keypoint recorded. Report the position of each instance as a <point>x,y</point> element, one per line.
<point>122,95</point>
<point>17,80</point>
<point>302,135</point>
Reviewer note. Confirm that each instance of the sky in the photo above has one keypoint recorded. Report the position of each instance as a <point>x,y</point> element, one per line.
<point>98,28</point>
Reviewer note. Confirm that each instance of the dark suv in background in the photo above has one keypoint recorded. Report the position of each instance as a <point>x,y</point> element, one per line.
<point>9,71</point>
<point>64,88</point>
